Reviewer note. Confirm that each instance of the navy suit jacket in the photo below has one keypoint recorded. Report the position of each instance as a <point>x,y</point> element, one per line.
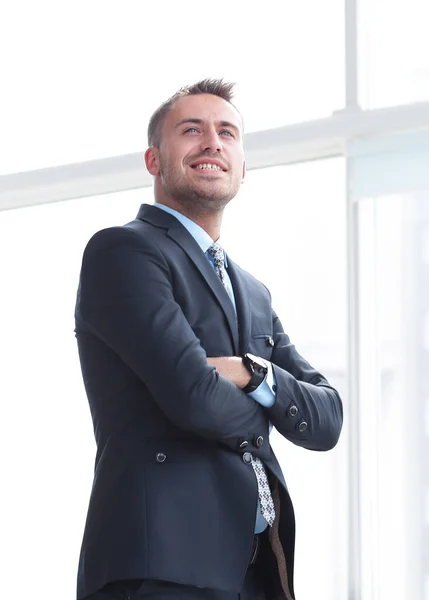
<point>174,496</point>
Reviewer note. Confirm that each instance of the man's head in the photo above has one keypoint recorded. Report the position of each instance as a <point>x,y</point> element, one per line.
<point>196,148</point>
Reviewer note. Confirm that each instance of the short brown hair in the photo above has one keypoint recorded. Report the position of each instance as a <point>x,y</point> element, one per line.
<point>216,87</point>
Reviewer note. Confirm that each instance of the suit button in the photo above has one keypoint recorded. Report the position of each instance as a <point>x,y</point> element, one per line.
<point>244,444</point>
<point>269,341</point>
<point>293,411</point>
<point>302,426</point>
<point>161,457</point>
<point>259,441</point>
<point>247,458</point>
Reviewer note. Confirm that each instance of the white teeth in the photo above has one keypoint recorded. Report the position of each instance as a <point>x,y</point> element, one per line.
<point>209,167</point>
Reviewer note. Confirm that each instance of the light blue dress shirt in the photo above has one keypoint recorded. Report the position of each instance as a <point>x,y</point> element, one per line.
<point>264,394</point>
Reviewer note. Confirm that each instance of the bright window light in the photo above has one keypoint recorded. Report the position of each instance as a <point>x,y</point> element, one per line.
<point>394,52</point>
<point>82,79</point>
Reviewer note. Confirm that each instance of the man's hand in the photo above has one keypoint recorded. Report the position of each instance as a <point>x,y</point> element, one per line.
<point>232,368</point>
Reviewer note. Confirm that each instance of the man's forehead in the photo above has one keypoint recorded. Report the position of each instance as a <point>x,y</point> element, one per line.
<point>204,107</point>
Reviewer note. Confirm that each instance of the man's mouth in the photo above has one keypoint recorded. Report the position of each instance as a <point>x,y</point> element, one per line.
<point>207,167</point>
<point>208,164</point>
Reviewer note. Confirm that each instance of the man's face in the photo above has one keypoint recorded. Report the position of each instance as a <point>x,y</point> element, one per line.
<point>201,156</point>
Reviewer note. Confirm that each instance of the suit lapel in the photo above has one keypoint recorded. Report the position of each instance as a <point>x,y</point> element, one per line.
<point>243,303</point>
<point>177,232</point>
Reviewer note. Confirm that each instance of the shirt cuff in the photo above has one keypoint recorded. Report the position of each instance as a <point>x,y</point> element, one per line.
<point>264,393</point>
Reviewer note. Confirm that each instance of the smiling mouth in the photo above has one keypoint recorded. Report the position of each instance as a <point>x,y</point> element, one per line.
<point>208,167</point>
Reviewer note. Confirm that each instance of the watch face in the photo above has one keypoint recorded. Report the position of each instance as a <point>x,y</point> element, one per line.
<point>258,369</point>
<point>259,362</point>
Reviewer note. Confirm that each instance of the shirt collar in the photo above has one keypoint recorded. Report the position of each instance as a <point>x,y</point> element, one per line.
<point>200,236</point>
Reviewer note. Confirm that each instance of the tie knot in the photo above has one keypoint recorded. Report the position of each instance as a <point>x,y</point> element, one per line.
<point>218,255</point>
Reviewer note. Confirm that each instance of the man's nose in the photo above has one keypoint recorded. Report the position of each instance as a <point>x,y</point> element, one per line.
<point>211,141</point>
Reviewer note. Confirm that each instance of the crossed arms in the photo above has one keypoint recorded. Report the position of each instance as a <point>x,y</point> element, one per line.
<point>126,300</point>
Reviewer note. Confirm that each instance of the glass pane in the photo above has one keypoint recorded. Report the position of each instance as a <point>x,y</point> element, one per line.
<point>84,78</point>
<point>394,394</point>
<point>287,227</point>
<point>394,52</point>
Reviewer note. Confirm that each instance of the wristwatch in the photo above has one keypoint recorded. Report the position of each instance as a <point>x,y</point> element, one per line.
<point>258,370</point>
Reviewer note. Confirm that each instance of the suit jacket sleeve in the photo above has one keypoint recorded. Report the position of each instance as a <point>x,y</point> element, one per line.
<point>307,410</point>
<point>126,299</point>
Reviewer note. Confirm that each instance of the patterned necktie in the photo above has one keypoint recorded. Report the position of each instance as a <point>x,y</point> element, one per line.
<point>218,255</point>
<point>265,498</point>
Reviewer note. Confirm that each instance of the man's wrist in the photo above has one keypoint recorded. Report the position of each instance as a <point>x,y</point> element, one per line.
<point>232,368</point>
<point>245,376</point>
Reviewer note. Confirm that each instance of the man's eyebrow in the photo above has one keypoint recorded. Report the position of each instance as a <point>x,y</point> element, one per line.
<point>201,122</point>
<point>189,120</point>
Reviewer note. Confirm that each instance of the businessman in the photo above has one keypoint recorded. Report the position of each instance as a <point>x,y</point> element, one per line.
<point>186,368</point>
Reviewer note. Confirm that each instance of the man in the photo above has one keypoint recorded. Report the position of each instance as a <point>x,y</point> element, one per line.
<point>186,368</point>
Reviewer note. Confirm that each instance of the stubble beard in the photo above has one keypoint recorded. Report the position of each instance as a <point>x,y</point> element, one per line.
<point>198,201</point>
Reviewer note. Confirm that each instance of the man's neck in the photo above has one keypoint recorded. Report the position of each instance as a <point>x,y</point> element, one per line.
<point>211,223</point>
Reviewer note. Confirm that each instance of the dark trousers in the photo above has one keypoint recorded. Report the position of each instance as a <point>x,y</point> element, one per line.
<point>261,583</point>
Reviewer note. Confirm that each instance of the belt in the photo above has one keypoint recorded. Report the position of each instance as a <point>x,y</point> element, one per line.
<point>255,549</point>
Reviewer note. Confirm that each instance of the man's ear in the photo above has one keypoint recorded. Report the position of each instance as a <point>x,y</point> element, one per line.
<point>151,158</point>
<point>244,172</point>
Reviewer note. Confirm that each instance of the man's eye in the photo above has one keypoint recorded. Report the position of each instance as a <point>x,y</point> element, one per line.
<point>227,132</point>
<point>191,129</point>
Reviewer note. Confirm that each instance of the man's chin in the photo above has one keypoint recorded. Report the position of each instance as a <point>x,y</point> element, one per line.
<point>213,193</point>
<point>213,201</point>
<point>212,197</point>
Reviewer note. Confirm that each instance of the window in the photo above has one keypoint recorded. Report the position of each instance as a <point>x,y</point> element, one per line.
<point>393,394</point>
<point>394,52</point>
<point>83,79</point>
